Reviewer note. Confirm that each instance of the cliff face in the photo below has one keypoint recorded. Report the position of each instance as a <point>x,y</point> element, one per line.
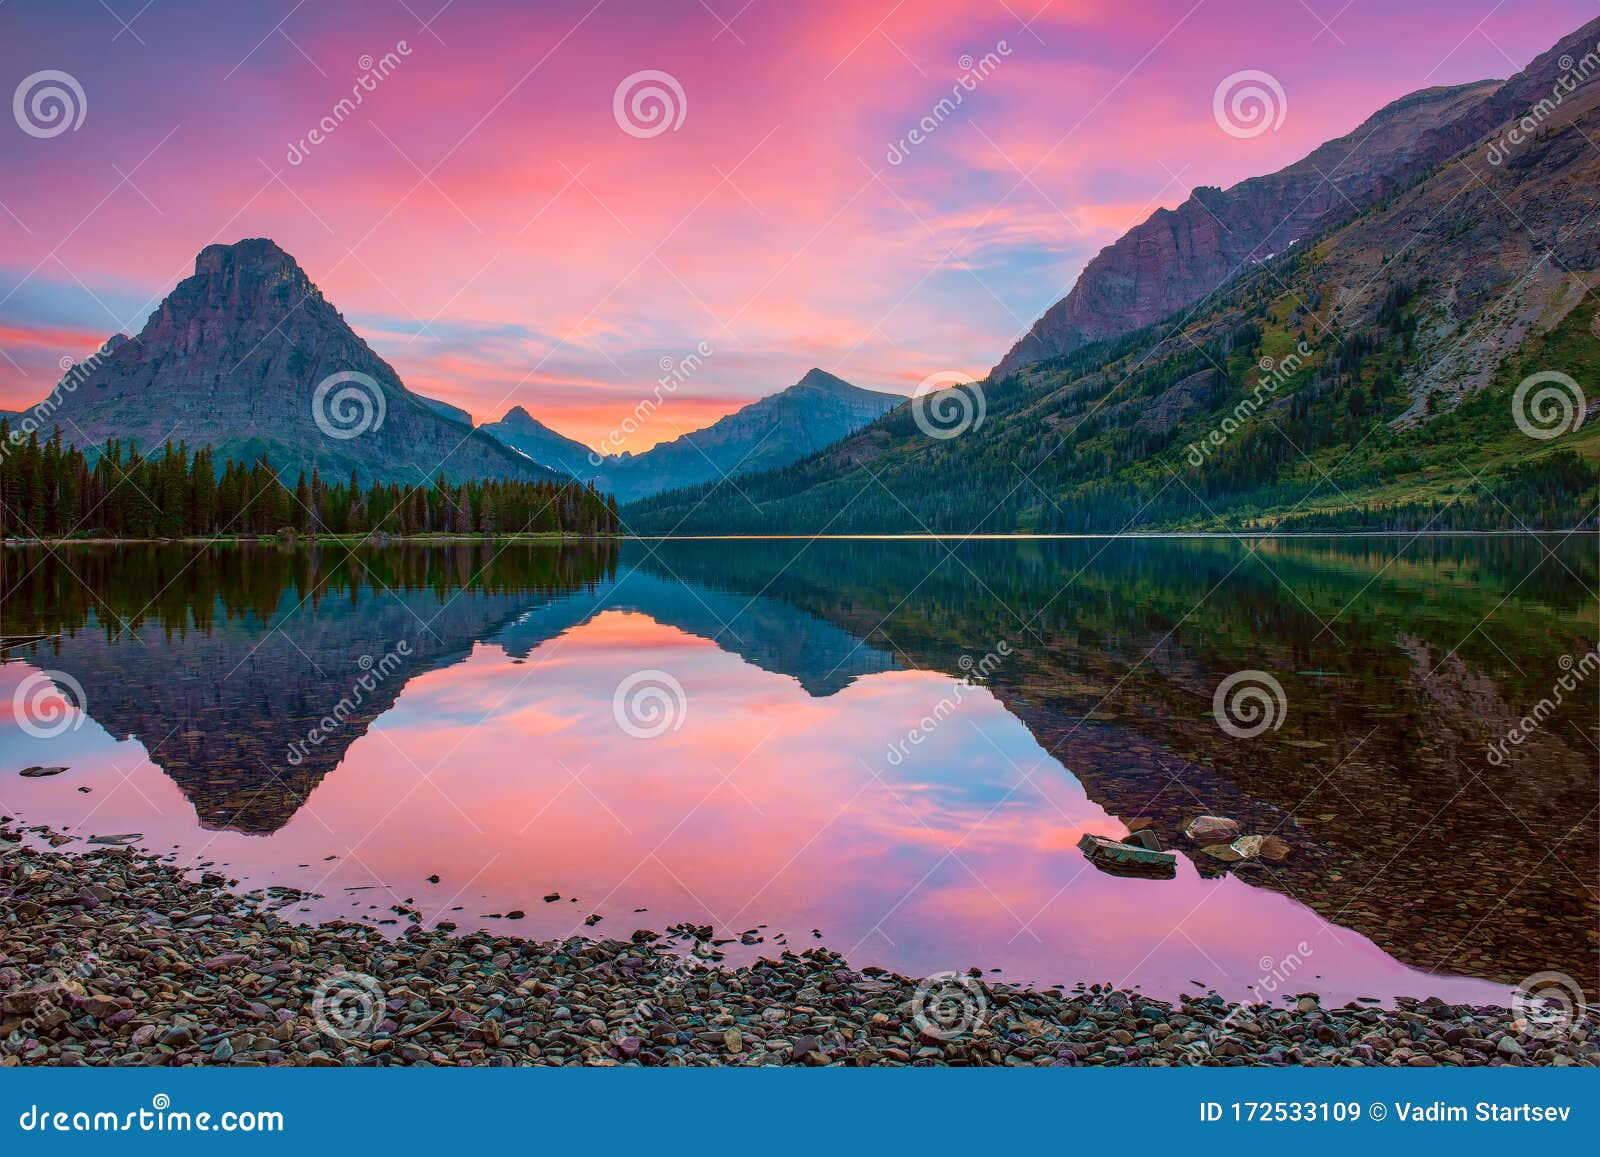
<point>1178,256</point>
<point>233,358</point>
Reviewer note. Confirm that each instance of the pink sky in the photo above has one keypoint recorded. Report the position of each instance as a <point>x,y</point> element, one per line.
<point>486,224</point>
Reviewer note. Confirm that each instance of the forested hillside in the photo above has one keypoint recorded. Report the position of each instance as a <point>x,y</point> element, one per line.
<point>1428,361</point>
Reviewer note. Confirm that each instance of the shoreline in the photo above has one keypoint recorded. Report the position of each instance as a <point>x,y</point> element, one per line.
<point>310,540</point>
<point>113,958</point>
<point>551,537</point>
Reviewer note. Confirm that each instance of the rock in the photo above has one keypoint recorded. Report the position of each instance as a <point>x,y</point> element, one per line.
<point>1274,850</point>
<point>552,897</point>
<point>30,1000</point>
<point>178,1036</point>
<point>516,914</point>
<point>99,1006</point>
<point>40,772</point>
<point>1212,830</point>
<point>1508,1046</point>
<point>1144,838</point>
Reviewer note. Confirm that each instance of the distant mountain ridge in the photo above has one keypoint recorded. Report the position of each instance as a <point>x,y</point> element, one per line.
<point>814,413</point>
<point>234,358</point>
<point>526,435</point>
<point>772,432</point>
<point>248,357</point>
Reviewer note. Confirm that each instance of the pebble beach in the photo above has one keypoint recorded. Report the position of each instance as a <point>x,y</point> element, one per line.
<point>113,958</point>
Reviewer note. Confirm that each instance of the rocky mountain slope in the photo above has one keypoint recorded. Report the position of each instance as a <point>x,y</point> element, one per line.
<point>1177,256</point>
<point>1366,378</point>
<point>236,357</point>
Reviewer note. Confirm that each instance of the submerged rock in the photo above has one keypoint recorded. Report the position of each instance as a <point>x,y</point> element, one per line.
<point>1212,830</point>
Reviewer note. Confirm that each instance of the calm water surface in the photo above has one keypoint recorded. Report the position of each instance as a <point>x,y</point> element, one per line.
<point>895,744</point>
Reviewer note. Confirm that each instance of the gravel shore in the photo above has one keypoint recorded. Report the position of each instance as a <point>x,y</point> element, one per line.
<point>112,958</point>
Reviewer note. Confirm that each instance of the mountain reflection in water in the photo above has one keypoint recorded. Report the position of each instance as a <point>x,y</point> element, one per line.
<point>843,756</point>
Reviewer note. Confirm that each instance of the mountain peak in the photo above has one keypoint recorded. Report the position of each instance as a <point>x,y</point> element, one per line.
<point>255,254</point>
<point>820,379</point>
<point>234,357</point>
<point>769,433</point>
<point>528,436</point>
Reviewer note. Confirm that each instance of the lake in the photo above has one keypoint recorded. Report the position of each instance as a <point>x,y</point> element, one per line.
<point>888,747</point>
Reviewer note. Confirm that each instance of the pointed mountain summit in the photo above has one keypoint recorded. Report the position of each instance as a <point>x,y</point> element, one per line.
<point>524,433</point>
<point>815,412</point>
<point>248,357</point>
